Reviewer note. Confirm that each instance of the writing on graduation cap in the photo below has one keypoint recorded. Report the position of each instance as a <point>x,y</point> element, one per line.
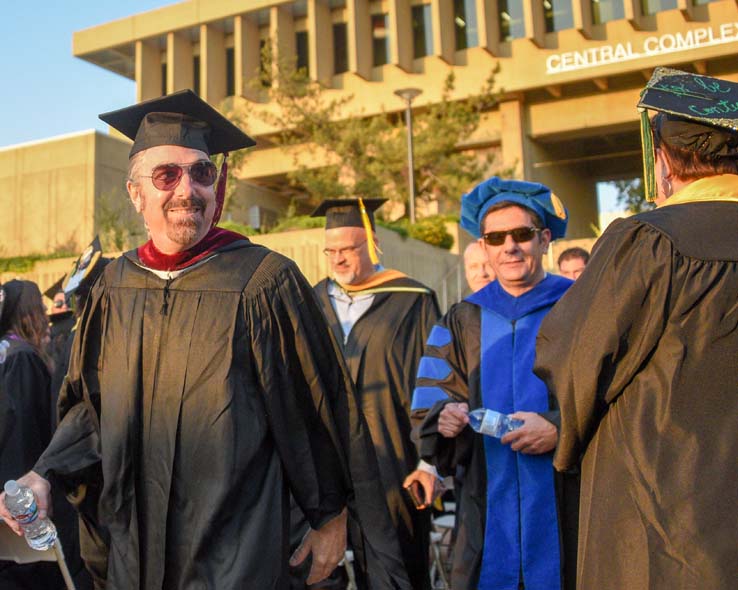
<point>653,45</point>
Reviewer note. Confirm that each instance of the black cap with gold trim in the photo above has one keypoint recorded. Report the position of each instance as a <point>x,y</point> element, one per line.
<point>347,212</point>
<point>182,119</point>
<point>698,113</point>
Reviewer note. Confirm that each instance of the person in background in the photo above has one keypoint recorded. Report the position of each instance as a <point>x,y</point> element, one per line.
<point>26,424</point>
<point>642,354</point>
<point>380,318</point>
<point>477,268</point>
<point>516,521</point>
<point>572,261</point>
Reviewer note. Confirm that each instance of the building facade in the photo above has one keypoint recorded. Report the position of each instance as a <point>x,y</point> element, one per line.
<point>569,71</point>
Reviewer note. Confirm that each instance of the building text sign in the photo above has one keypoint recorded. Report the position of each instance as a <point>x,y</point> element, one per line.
<point>569,61</point>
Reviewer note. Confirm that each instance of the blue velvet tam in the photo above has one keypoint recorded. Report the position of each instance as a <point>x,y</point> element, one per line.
<point>533,195</point>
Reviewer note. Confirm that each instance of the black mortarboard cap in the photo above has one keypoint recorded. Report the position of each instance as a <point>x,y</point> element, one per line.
<point>57,287</point>
<point>700,114</point>
<point>181,118</point>
<point>346,212</point>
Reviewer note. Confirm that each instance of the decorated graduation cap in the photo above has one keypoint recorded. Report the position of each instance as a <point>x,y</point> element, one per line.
<point>533,195</point>
<point>353,212</point>
<point>84,268</point>
<point>182,119</point>
<point>697,113</point>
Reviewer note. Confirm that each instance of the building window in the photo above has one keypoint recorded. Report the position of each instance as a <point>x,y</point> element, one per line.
<point>512,25</point>
<point>422,31</point>
<point>653,6</point>
<point>380,39</point>
<point>264,57</point>
<point>163,78</point>
<point>465,23</point>
<point>558,15</point>
<point>340,48</point>
<point>230,71</point>
<point>196,74</point>
<point>702,2</point>
<point>606,10</point>
<point>303,51</point>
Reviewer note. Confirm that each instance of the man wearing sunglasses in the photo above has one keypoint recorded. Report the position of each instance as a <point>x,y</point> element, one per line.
<point>203,388</point>
<point>481,356</point>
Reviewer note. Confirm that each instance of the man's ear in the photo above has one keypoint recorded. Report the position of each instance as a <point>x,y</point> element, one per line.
<point>545,238</point>
<point>666,171</point>
<point>134,192</point>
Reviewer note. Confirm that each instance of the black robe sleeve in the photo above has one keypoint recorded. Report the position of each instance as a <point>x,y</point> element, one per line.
<point>587,354</point>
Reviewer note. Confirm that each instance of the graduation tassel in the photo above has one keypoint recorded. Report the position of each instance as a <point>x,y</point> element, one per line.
<point>220,189</point>
<point>371,245</point>
<point>649,174</point>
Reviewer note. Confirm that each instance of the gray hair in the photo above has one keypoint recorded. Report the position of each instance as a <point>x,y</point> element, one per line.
<point>134,163</point>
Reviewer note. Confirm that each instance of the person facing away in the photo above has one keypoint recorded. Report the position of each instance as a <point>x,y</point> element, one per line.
<point>480,355</point>
<point>26,424</point>
<point>572,262</point>
<point>381,318</point>
<point>477,269</point>
<point>647,377</point>
<point>202,387</point>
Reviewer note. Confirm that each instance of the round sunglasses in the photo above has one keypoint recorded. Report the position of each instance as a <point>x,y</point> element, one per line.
<point>166,177</point>
<point>519,234</point>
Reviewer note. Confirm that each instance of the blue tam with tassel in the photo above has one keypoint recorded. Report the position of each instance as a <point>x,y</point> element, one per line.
<point>533,195</point>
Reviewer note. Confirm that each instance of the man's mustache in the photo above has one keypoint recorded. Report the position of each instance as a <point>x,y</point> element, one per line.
<point>186,203</point>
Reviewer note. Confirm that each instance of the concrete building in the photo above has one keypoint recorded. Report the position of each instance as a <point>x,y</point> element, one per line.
<point>570,71</point>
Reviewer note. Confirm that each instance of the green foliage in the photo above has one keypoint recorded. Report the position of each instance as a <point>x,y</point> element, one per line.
<point>631,194</point>
<point>22,264</point>
<point>239,228</point>
<point>431,230</point>
<point>366,156</point>
<point>297,222</point>
<point>118,226</point>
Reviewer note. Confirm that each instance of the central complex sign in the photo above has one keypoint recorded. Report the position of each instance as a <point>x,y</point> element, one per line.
<point>569,61</point>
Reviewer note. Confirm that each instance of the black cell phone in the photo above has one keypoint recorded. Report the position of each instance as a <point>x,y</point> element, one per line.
<point>415,490</point>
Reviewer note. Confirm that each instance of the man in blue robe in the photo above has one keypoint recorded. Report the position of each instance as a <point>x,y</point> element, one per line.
<point>516,519</point>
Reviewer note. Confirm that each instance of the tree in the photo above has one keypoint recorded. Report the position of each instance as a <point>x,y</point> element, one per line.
<point>632,195</point>
<point>366,155</point>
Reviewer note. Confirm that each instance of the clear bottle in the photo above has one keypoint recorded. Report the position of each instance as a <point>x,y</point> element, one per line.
<point>492,423</point>
<point>40,533</point>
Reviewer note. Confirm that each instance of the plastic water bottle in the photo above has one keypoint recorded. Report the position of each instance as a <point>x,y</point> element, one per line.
<point>492,423</point>
<point>40,533</point>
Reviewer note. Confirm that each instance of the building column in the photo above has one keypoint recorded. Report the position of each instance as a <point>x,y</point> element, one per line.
<point>212,65</point>
<point>488,26</point>
<point>320,41</point>
<point>401,34</point>
<point>360,38</point>
<point>512,131</point>
<point>444,41</point>
<point>246,53</point>
<point>282,34</point>
<point>147,71</point>
<point>179,63</point>
<point>535,22</point>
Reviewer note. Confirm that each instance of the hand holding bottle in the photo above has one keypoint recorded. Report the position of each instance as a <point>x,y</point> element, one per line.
<point>535,437</point>
<point>453,419</point>
<point>41,489</point>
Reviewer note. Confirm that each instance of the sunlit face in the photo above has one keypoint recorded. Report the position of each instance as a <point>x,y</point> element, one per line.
<point>60,304</point>
<point>348,255</point>
<point>477,268</point>
<point>176,219</point>
<point>571,268</point>
<point>517,266</point>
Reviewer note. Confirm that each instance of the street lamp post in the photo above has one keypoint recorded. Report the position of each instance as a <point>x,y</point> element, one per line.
<point>408,95</point>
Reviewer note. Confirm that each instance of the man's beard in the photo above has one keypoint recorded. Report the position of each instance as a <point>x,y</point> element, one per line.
<point>185,231</point>
<point>347,277</point>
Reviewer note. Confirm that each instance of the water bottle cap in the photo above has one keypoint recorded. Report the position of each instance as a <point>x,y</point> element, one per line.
<point>11,487</point>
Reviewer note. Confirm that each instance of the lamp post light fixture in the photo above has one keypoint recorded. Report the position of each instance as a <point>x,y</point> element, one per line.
<point>408,95</point>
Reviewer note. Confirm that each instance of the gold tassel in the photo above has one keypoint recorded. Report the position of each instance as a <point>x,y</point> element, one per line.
<point>369,233</point>
<point>649,173</point>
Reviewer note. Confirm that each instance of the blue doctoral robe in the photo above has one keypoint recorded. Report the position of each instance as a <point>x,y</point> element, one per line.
<point>482,353</point>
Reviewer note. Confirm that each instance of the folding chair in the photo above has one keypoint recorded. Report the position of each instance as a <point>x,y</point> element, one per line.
<point>15,548</point>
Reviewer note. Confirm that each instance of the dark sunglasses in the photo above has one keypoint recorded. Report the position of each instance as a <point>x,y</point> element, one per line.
<point>519,234</point>
<point>166,177</point>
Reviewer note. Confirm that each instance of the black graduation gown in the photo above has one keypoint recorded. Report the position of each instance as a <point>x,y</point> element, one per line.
<point>200,401</point>
<point>25,430</point>
<point>382,353</point>
<point>642,353</point>
<point>464,456</point>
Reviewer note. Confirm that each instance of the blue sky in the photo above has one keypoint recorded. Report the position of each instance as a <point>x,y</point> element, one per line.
<point>47,91</point>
